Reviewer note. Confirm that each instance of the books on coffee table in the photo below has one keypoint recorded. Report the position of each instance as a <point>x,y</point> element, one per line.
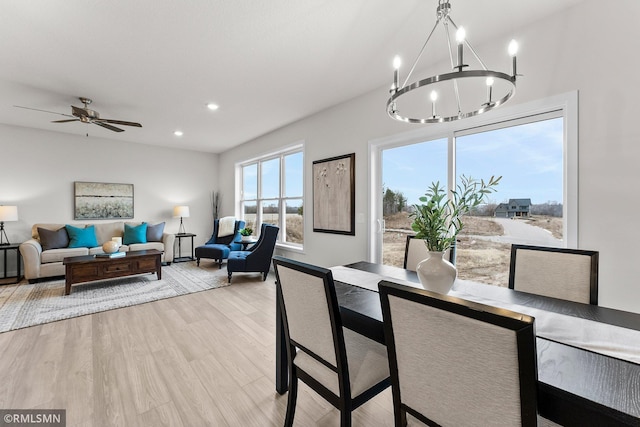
<point>112,255</point>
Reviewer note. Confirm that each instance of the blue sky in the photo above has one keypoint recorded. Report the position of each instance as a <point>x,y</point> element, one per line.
<point>271,177</point>
<point>528,157</point>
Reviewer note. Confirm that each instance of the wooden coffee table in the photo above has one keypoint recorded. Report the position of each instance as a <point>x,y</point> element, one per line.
<point>88,268</point>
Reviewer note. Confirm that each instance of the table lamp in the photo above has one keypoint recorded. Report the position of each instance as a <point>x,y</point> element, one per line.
<point>182,212</point>
<point>7,213</point>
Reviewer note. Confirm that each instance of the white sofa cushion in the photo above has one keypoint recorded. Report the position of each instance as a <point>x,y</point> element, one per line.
<point>57,255</point>
<point>144,246</point>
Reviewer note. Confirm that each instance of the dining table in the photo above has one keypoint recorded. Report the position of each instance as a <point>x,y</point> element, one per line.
<point>588,356</point>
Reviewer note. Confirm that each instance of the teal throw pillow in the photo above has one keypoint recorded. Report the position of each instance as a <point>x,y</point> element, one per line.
<point>135,234</point>
<point>82,237</point>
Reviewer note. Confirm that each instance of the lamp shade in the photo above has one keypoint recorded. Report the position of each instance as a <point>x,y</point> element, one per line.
<point>10,213</point>
<point>181,211</point>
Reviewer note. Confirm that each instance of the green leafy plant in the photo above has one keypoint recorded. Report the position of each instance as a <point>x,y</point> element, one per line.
<point>437,220</point>
<point>246,231</point>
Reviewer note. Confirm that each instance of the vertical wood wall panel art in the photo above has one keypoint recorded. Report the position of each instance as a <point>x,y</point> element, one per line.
<point>98,200</point>
<point>334,195</point>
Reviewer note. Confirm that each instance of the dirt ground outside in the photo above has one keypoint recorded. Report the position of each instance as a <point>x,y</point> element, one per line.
<point>476,259</point>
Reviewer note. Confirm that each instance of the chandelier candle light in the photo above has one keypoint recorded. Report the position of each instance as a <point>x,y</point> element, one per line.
<point>461,73</point>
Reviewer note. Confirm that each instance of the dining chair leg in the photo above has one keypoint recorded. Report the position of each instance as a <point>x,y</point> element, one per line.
<point>345,419</point>
<point>291,401</point>
<point>345,416</point>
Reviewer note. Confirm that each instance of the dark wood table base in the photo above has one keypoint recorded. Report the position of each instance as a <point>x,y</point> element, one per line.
<point>89,268</point>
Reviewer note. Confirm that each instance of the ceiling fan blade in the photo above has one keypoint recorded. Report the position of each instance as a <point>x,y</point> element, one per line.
<point>65,121</point>
<point>106,126</point>
<point>44,111</point>
<point>119,122</point>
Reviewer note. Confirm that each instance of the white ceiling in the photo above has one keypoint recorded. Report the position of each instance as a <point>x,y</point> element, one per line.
<point>266,63</point>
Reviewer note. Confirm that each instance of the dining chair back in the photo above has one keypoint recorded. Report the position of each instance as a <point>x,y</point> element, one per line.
<point>344,367</point>
<point>458,363</point>
<point>569,274</point>
<point>416,250</point>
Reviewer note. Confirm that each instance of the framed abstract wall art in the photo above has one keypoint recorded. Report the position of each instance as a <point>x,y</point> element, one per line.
<point>99,200</point>
<point>334,195</point>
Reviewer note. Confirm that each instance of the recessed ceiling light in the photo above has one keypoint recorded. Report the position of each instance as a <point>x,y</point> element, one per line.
<point>178,133</point>
<point>212,106</point>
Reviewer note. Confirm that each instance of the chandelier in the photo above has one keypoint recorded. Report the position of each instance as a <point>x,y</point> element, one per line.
<point>454,95</point>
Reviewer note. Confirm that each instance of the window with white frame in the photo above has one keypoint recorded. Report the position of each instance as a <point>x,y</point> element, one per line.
<point>271,192</point>
<point>532,146</point>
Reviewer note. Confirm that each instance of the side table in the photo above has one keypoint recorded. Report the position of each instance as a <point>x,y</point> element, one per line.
<point>246,242</point>
<point>4,280</point>
<point>179,238</point>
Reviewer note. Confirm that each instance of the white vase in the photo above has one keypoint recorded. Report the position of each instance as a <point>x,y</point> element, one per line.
<point>436,273</point>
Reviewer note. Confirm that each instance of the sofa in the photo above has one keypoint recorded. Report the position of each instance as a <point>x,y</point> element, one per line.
<point>43,255</point>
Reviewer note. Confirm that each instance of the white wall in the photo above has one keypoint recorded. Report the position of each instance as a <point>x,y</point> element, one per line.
<point>39,168</point>
<point>583,48</point>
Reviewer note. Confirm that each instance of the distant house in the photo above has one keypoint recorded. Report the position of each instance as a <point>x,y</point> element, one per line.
<point>515,208</point>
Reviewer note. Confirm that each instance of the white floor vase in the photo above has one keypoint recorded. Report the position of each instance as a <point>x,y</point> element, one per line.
<point>436,273</point>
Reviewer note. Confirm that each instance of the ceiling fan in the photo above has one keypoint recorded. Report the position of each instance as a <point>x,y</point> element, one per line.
<point>86,115</point>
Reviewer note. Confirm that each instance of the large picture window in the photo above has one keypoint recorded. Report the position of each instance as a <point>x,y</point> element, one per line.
<point>271,192</point>
<point>533,147</point>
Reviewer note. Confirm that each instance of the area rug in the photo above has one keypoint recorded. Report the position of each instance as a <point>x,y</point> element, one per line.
<point>27,304</point>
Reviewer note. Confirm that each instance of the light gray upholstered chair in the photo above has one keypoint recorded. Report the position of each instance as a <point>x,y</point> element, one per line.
<point>416,250</point>
<point>344,367</point>
<point>458,363</point>
<point>568,274</point>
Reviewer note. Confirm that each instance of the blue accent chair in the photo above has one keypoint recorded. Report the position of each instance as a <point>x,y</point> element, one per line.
<point>219,248</point>
<point>257,259</point>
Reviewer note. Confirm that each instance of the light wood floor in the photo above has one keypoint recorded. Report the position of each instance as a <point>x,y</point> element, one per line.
<point>204,359</point>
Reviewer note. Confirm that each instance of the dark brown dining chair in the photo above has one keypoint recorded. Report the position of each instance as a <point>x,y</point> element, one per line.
<point>416,250</point>
<point>458,363</point>
<point>568,274</point>
<point>345,368</point>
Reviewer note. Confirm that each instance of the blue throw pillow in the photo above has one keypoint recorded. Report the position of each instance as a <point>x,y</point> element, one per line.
<point>82,237</point>
<point>135,234</point>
